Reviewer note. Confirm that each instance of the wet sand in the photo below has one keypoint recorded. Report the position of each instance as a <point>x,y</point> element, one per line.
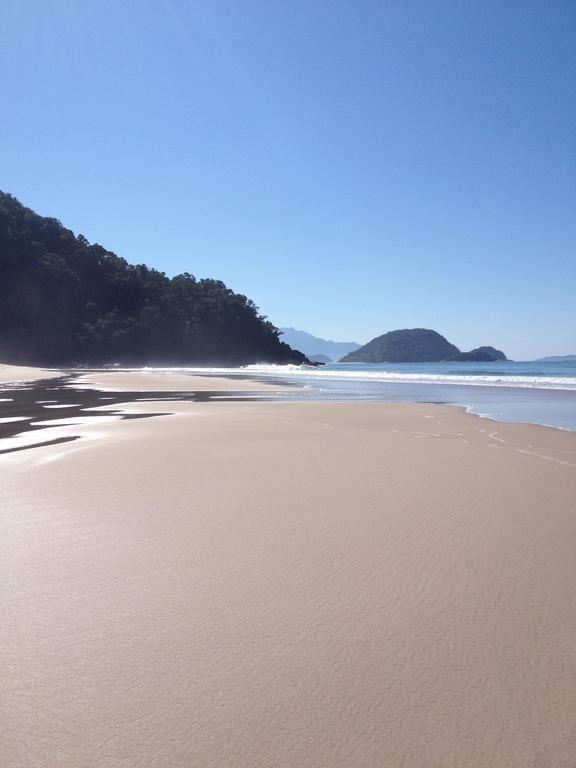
<point>12,373</point>
<point>144,381</point>
<point>54,411</point>
<point>265,585</point>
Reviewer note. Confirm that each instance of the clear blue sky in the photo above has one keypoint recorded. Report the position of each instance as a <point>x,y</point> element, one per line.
<point>353,166</point>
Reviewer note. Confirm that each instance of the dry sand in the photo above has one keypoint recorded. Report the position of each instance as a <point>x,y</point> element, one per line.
<point>173,381</point>
<point>13,373</point>
<point>277,585</point>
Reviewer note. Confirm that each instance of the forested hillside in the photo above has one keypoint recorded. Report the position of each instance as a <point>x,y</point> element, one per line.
<point>410,345</point>
<point>418,345</point>
<point>65,301</point>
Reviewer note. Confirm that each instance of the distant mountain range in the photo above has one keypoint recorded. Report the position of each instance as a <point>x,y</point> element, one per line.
<point>557,359</point>
<point>418,345</point>
<point>315,347</point>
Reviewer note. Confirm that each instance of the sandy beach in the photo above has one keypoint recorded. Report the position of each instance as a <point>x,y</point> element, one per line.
<point>12,373</point>
<point>145,381</point>
<point>290,585</point>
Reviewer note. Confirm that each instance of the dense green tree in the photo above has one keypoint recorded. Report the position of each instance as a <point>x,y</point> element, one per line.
<point>65,301</point>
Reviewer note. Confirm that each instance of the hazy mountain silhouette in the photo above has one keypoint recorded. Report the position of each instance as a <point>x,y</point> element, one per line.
<point>314,345</point>
<point>557,359</point>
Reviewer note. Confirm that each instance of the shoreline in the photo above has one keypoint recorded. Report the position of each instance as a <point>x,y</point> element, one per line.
<point>291,387</point>
<point>277,385</point>
<point>382,376</point>
<point>553,407</point>
<point>68,424</point>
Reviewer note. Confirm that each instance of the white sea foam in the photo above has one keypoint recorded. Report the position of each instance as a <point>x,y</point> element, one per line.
<point>305,371</point>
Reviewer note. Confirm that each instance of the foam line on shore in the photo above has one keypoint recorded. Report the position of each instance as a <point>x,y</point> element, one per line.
<point>525,382</point>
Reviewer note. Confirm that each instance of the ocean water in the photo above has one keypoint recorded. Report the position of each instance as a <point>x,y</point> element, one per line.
<point>536,375</point>
<point>527,392</point>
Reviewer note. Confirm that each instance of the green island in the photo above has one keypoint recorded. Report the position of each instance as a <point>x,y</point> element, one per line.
<point>418,345</point>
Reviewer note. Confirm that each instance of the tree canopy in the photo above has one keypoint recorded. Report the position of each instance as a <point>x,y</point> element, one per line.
<point>65,301</point>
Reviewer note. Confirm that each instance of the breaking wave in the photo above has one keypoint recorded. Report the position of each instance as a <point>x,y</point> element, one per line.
<point>319,374</point>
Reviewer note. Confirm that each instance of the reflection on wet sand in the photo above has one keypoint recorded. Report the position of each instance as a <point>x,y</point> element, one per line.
<point>34,407</point>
